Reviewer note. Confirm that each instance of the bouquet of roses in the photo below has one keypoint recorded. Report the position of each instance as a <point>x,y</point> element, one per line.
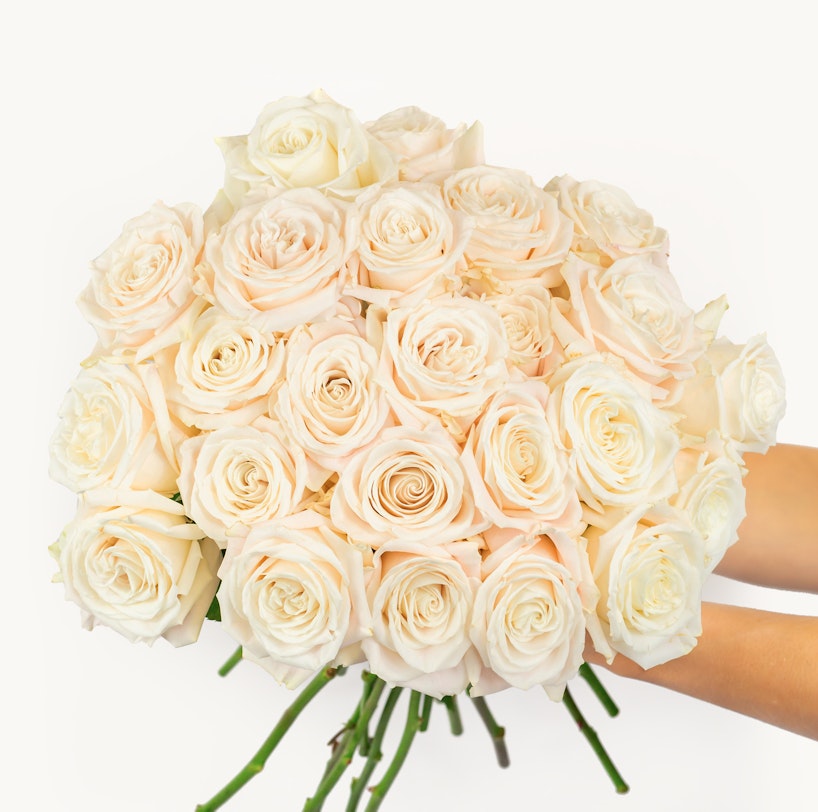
<point>383,403</point>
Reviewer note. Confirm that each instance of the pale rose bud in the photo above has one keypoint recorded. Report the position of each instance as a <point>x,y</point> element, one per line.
<point>293,595</point>
<point>140,297</point>
<point>309,141</point>
<point>424,145</point>
<point>133,562</point>
<point>519,233</point>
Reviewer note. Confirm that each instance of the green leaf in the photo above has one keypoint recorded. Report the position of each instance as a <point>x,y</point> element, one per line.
<point>215,611</point>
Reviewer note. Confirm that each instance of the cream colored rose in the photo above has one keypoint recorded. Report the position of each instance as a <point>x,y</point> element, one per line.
<point>424,145</point>
<point>113,433</point>
<point>408,486</point>
<point>519,233</point>
<point>133,562</point>
<point>528,623</point>
<point>309,141</point>
<point>237,477</point>
<point>649,569</point>
<point>223,372</point>
<point>411,244</point>
<point>620,445</point>
<point>738,389</point>
<point>293,595</point>
<point>634,308</point>
<point>140,296</point>
<point>330,402</point>
<point>444,358</point>
<point>281,260</point>
<point>519,475</point>
<point>607,216</point>
<point>421,599</point>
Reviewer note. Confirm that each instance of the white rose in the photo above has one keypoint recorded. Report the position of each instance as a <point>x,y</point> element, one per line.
<point>519,233</point>
<point>519,476</point>
<point>424,145</point>
<point>329,401</point>
<point>421,599</point>
<point>408,486</point>
<point>281,259</point>
<point>738,389</point>
<point>607,216</point>
<point>114,433</point>
<point>140,296</point>
<point>620,445</point>
<point>310,141</point>
<point>236,477</point>
<point>293,595</point>
<point>649,570</point>
<point>133,562</point>
<point>223,372</point>
<point>411,244</point>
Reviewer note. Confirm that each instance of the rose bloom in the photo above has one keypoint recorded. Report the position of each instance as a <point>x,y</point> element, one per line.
<point>140,296</point>
<point>620,445</point>
<point>309,141</point>
<point>410,486</point>
<point>114,432</point>
<point>519,233</point>
<point>133,562</point>
<point>740,390</point>
<point>424,145</point>
<point>445,358</point>
<point>222,373</point>
<point>606,219</point>
<point>236,477</point>
<point>293,595</point>
<point>329,400</point>
<point>421,599</point>
<point>528,623</point>
<point>280,260</point>
<point>649,570</point>
<point>411,244</point>
<point>634,309</point>
<point>519,475</point>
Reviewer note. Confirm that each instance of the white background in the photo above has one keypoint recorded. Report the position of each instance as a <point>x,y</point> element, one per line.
<point>705,114</point>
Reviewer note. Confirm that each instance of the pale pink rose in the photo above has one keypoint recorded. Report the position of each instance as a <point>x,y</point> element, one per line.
<point>140,296</point>
<point>421,600</point>
<point>329,401</point>
<point>649,569</point>
<point>293,595</point>
<point>281,259</point>
<point>309,141</point>
<point>115,432</point>
<point>634,308</point>
<point>132,561</point>
<point>424,145</point>
<point>519,475</point>
<point>223,371</point>
<point>408,486</point>
<point>411,244</point>
<point>738,390</point>
<point>606,220</point>
<point>237,477</point>
<point>519,233</point>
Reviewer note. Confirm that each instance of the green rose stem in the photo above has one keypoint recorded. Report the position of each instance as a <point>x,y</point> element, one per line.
<point>412,725</point>
<point>455,722</point>
<point>235,659</point>
<point>344,753</point>
<point>496,732</point>
<point>425,713</point>
<point>363,726</point>
<point>587,673</point>
<point>257,762</point>
<point>596,744</point>
<point>375,754</point>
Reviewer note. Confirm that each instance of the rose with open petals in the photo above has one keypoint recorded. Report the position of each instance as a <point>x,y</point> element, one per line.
<point>132,561</point>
